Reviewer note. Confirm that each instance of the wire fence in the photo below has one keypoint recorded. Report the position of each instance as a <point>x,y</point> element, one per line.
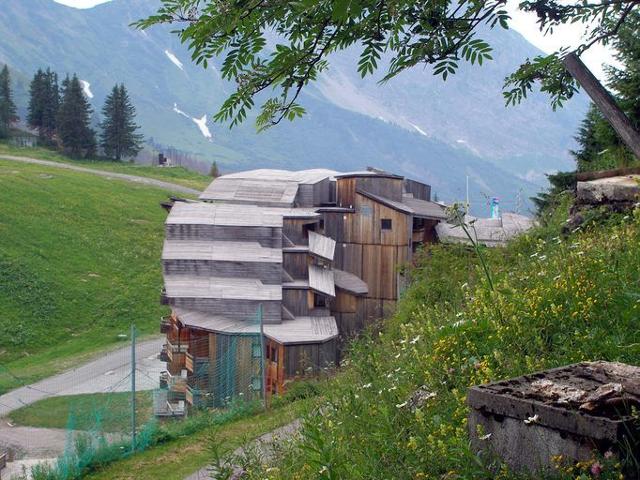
<point>128,400</point>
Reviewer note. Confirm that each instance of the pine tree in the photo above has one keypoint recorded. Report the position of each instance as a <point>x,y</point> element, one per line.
<point>75,134</point>
<point>599,145</point>
<point>118,138</point>
<point>44,101</point>
<point>8,112</point>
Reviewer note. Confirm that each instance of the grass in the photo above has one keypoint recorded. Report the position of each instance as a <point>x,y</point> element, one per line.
<point>178,175</point>
<point>110,411</point>
<point>79,262</point>
<point>557,299</point>
<point>182,456</point>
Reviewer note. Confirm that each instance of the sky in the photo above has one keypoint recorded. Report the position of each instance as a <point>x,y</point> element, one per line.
<point>523,23</point>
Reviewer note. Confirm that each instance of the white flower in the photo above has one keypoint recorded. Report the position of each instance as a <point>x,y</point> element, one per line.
<point>533,419</point>
<point>415,340</point>
<point>366,385</point>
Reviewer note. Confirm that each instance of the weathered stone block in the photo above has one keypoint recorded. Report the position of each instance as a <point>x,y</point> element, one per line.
<point>570,412</point>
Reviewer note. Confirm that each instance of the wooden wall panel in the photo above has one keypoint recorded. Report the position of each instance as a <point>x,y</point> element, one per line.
<point>296,264</point>
<point>267,236</point>
<point>295,300</point>
<point>345,192</point>
<point>267,272</point>
<point>345,302</point>
<point>302,360</point>
<point>242,310</point>
<point>390,188</point>
<point>351,258</point>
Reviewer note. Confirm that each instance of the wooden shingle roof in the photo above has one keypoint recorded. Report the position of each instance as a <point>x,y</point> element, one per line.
<point>264,186</point>
<point>300,330</point>
<point>186,286</point>
<point>202,213</point>
<point>350,282</point>
<point>235,251</point>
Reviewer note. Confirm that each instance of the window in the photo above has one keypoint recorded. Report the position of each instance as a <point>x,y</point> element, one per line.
<point>256,350</point>
<point>386,224</point>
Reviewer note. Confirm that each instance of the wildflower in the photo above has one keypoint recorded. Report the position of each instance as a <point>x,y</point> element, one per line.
<point>608,454</point>
<point>366,385</point>
<point>415,340</point>
<point>596,469</point>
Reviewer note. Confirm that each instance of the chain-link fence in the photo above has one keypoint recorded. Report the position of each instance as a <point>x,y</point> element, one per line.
<point>129,399</point>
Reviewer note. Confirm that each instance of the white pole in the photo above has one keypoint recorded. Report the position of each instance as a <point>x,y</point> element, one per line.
<point>467,204</point>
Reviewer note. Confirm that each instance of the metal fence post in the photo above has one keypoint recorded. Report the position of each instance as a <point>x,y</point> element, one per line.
<point>133,388</point>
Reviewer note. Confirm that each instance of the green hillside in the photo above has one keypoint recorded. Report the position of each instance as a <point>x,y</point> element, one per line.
<point>177,175</point>
<point>79,262</point>
<point>557,300</point>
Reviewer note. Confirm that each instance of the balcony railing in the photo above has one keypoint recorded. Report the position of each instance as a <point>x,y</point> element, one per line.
<point>165,325</point>
<point>176,353</point>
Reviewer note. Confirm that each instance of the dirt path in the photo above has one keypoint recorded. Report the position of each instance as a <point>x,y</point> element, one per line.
<point>120,176</point>
<point>263,445</point>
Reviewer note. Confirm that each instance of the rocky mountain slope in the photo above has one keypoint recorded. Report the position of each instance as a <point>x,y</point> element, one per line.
<point>416,124</point>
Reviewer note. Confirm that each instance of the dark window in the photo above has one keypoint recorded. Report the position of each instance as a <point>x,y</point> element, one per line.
<point>386,224</point>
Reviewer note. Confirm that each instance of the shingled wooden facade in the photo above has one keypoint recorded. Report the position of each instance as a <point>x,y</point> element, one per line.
<point>316,252</point>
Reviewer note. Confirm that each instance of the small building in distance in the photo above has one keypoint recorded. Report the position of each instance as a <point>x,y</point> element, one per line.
<point>491,232</point>
<point>292,261</point>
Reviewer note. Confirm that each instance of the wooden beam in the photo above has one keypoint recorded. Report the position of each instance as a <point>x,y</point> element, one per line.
<point>604,101</point>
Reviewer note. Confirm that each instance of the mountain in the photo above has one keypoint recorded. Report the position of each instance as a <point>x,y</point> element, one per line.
<point>417,124</point>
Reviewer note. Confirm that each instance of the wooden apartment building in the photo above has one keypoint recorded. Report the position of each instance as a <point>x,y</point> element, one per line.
<point>294,261</point>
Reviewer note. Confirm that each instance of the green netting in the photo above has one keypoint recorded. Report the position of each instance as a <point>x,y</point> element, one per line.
<point>209,379</point>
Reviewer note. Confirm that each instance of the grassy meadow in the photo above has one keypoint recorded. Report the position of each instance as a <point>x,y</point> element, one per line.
<point>558,299</point>
<point>79,262</point>
<point>177,175</point>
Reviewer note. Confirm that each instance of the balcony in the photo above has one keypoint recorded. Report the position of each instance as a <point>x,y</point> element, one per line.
<point>176,353</point>
<point>175,385</point>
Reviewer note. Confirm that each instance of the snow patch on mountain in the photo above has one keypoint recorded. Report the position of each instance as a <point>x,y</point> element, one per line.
<point>174,59</point>
<point>86,88</point>
<point>201,123</point>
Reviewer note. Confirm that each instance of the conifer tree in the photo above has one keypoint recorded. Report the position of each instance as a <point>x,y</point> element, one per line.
<point>75,134</point>
<point>8,112</point>
<point>214,171</point>
<point>118,138</point>
<point>44,101</point>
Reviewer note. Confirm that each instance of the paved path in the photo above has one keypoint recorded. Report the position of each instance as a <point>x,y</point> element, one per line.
<point>264,445</point>
<point>107,373</point>
<point>121,176</point>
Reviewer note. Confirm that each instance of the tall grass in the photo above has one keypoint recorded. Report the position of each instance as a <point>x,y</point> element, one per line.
<point>399,410</point>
